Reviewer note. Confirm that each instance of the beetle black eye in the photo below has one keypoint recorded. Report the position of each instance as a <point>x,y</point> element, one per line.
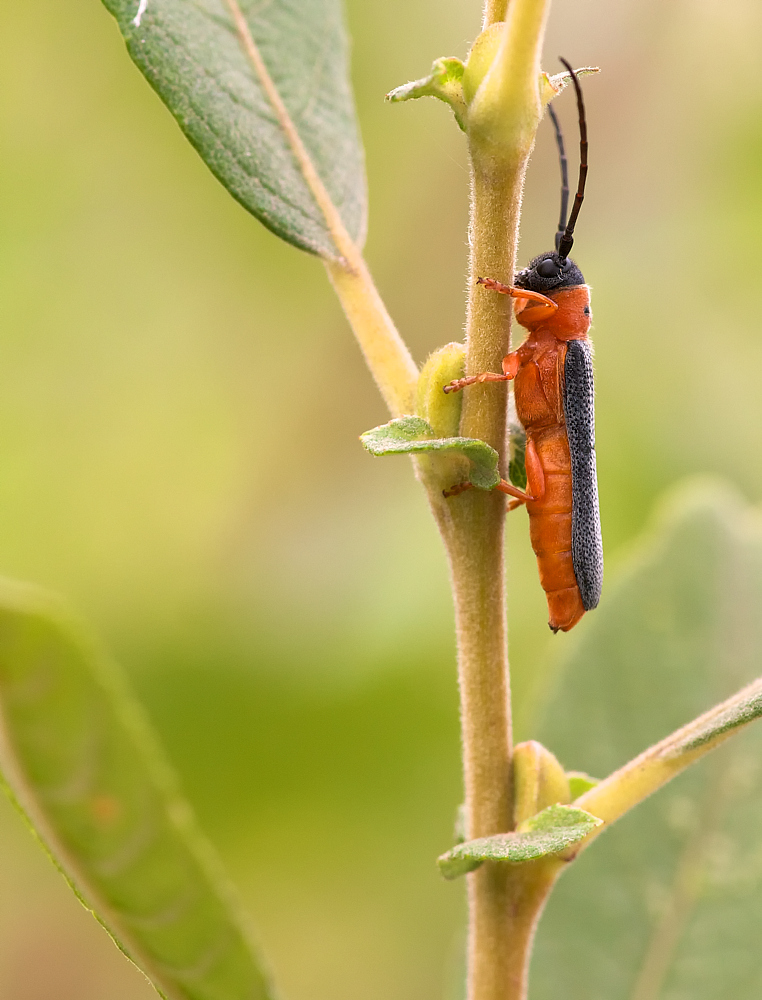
<point>547,269</point>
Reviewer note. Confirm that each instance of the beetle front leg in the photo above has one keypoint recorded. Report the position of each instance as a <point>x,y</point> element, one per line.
<point>535,299</point>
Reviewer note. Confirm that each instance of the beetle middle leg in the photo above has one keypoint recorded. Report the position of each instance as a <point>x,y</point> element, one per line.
<point>535,480</point>
<point>511,365</point>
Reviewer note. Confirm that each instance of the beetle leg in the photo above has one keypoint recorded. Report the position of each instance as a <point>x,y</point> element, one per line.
<point>523,297</point>
<point>518,293</point>
<point>513,491</point>
<point>455,490</point>
<point>513,291</point>
<point>511,365</point>
<point>535,480</point>
<point>503,486</point>
<point>461,383</point>
<point>535,471</point>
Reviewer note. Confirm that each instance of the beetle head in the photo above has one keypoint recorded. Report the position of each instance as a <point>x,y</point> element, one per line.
<point>548,272</point>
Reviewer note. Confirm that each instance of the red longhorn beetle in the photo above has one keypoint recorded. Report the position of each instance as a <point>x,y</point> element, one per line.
<point>553,373</point>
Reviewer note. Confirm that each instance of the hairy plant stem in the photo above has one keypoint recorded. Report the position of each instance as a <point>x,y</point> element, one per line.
<point>498,928</point>
<point>505,901</point>
<point>494,10</point>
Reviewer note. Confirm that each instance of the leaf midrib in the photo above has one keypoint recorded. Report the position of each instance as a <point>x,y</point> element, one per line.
<point>341,238</point>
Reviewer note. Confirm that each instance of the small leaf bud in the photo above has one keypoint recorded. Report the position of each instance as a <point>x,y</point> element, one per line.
<point>440,410</point>
<point>538,781</point>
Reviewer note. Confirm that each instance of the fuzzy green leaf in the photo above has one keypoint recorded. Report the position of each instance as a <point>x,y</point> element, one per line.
<point>444,82</point>
<point>412,435</point>
<point>193,57</point>
<point>85,770</point>
<point>549,832</point>
<point>672,893</point>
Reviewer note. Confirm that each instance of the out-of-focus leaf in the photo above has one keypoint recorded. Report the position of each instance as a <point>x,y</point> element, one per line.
<point>549,832</point>
<point>412,435</point>
<point>193,56</point>
<point>517,438</point>
<point>85,770</point>
<point>666,904</point>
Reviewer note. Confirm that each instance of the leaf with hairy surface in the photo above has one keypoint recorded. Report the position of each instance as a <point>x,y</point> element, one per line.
<point>413,435</point>
<point>262,91</point>
<point>549,832</point>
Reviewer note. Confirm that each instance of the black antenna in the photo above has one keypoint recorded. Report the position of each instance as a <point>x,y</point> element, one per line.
<point>564,175</point>
<point>567,239</point>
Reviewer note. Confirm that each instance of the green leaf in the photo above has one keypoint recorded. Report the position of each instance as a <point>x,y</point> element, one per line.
<point>412,435</point>
<point>247,103</point>
<point>579,783</point>
<point>672,893</point>
<point>84,768</point>
<point>444,82</point>
<point>549,832</point>
<point>517,438</point>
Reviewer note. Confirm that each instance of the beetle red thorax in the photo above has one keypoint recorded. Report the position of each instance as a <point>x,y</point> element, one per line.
<point>572,319</point>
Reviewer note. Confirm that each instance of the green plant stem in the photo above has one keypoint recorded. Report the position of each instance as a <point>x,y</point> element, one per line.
<point>478,571</point>
<point>504,902</point>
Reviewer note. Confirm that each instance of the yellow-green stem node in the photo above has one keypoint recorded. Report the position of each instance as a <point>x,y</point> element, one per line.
<point>438,408</point>
<point>539,781</point>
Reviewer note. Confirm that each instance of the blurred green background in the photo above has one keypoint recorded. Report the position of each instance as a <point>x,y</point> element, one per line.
<point>180,401</point>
